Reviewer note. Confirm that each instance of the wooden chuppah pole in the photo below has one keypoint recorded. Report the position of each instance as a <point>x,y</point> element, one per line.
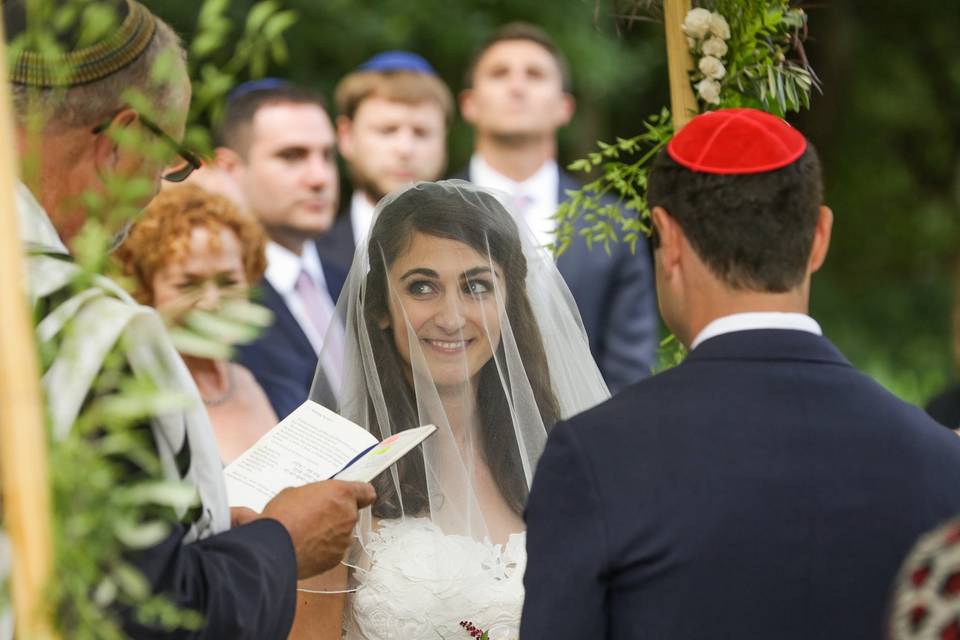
<point>23,451</point>
<point>683,104</point>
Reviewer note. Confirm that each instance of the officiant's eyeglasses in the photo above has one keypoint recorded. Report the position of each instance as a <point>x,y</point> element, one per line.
<point>185,162</point>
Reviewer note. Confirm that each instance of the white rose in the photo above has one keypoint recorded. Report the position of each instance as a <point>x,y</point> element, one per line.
<point>718,26</point>
<point>691,44</point>
<point>697,23</point>
<point>709,91</point>
<point>712,67</point>
<point>714,47</point>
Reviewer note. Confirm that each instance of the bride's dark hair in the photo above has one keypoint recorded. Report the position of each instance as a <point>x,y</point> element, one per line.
<point>479,221</point>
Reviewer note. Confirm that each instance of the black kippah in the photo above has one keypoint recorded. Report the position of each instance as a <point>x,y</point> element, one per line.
<point>79,62</point>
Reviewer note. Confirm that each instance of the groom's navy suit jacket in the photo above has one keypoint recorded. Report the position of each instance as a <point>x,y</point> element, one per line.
<point>761,489</point>
<point>616,298</point>
<point>282,359</point>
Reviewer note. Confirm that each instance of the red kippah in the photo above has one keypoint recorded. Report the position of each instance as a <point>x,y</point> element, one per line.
<point>736,141</point>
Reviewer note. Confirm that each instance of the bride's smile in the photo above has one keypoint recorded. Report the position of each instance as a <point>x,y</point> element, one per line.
<point>446,347</point>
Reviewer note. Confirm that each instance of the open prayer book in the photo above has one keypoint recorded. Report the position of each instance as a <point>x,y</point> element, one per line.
<point>313,443</point>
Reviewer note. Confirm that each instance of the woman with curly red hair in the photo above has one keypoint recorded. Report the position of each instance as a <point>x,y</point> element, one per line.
<point>193,249</point>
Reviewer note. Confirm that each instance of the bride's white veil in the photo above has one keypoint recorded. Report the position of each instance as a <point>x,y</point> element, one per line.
<point>454,316</point>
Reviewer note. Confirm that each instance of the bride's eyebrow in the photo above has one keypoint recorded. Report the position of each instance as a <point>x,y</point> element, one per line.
<point>470,273</point>
<point>421,271</point>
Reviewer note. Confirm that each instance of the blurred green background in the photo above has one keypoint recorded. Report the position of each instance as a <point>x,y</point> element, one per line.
<point>887,127</point>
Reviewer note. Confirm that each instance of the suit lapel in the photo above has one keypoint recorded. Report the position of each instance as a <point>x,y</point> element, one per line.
<point>284,322</point>
<point>577,252</point>
<point>335,277</point>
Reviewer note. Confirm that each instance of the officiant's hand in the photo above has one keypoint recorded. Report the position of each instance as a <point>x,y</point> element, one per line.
<point>240,516</point>
<point>320,518</point>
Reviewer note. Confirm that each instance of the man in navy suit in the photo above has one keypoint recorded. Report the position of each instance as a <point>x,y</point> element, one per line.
<point>517,96</point>
<point>278,145</point>
<point>392,117</point>
<point>763,488</point>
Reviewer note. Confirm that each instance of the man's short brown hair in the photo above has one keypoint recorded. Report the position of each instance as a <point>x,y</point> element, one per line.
<point>410,87</point>
<point>521,31</point>
<point>243,104</point>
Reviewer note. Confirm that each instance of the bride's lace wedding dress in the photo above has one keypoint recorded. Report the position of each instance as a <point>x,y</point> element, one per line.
<point>421,583</point>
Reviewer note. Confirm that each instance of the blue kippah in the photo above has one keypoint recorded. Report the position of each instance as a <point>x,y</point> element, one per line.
<point>263,84</point>
<point>398,61</point>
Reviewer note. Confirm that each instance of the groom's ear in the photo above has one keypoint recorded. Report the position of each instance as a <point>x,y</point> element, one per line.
<point>666,237</point>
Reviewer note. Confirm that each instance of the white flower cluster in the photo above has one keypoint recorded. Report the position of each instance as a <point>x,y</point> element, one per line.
<point>707,34</point>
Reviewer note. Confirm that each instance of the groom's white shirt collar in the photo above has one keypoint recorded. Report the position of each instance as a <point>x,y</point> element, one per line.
<point>757,320</point>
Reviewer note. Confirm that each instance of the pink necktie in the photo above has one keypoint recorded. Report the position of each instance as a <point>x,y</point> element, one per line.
<point>521,203</point>
<point>320,310</point>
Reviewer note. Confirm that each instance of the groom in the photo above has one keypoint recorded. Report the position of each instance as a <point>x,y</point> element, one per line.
<point>763,488</point>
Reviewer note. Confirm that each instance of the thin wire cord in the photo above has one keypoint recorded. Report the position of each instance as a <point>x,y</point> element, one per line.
<point>336,591</point>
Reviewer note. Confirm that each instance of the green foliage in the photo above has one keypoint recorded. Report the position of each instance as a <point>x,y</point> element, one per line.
<point>760,71</point>
<point>107,503</point>
<point>670,354</point>
<point>109,498</point>
<point>754,39</point>
<point>217,67</point>
<point>621,187</point>
<point>212,335</point>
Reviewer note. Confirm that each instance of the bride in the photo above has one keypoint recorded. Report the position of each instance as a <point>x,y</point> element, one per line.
<point>455,317</point>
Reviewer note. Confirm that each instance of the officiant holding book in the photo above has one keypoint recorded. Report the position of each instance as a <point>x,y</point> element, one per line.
<point>764,488</point>
<point>240,578</point>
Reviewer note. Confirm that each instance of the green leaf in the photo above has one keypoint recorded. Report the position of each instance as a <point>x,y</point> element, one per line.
<point>246,312</point>
<point>791,90</point>
<point>138,405</point>
<point>96,21</point>
<point>164,66</point>
<point>205,44</point>
<point>211,10</point>
<point>258,15</point>
<point>65,17</point>
<point>215,326</point>
<point>189,343</point>
<point>279,51</point>
<point>105,593</point>
<point>140,535</point>
<point>131,581</point>
<point>278,23</point>
<point>176,495</point>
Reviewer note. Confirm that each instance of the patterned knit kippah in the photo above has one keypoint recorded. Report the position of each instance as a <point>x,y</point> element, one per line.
<point>736,141</point>
<point>80,65</point>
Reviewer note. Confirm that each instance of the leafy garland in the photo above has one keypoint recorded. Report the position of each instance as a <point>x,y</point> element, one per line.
<point>108,498</point>
<point>749,53</point>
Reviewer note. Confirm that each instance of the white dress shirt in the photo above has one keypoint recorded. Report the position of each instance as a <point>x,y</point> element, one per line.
<point>537,195</point>
<point>757,320</point>
<point>283,269</point>
<point>361,217</point>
